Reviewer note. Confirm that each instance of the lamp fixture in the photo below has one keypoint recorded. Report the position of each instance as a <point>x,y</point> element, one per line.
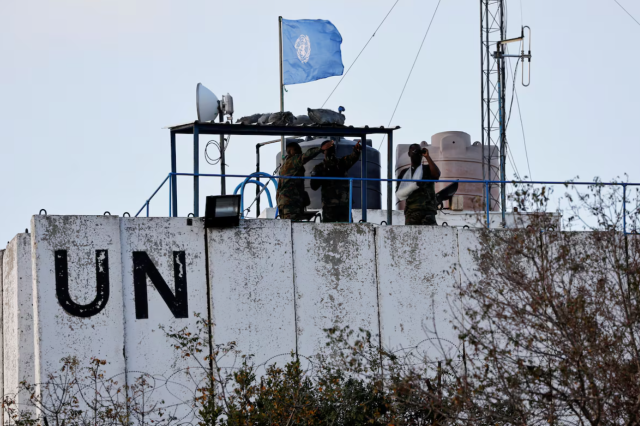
<point>222,211</point>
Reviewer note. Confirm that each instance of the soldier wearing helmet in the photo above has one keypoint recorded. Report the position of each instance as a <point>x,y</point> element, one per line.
<point>290,196</point>
<point>335,193</point>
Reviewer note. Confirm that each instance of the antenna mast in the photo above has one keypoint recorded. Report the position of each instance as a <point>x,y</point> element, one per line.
<point>492,30</point>
<point>492,60</point>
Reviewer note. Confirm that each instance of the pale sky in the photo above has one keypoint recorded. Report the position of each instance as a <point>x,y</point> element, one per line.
<point>86,87</point>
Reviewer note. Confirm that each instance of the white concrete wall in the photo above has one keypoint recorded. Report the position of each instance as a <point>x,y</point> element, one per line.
<point>17,319</point>
<point>416,272</point>
<point>1,331</point>
<point>147,347</point>
<point>58,333</point>
<point>335,278</point>
<point>251,278</point>
<point>274,287</point>
<point>467,242</point>
<point>377,216</point>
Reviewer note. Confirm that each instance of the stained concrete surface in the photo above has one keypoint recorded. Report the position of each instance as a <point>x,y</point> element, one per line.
<point>59,334</point>
<point>251,274</point>
<point>17,319</point>
<point>274,287</point>
<point>148,349</point>
<point>2,251</point>
<point>417,271</point>
<point>335,278</point>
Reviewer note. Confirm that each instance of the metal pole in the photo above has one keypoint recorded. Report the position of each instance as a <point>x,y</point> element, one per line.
<point>258,179</point>
<point>223,181</point>
<point>503,139</point>
<point>363,175</point>
<point>282,144</point>
<point>487,100</point>
<point>487,195</point>
<point>484,177</point>
<point>503,136</point>
<point>350,200</point>
<point>174,178</point>
<point>196,171</point>
<point>624,208</point>
<point>389,176</point>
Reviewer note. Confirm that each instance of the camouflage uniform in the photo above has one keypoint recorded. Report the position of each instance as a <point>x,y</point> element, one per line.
<point>289,196</point>
<point>421,206</point>
<point>335,193</point>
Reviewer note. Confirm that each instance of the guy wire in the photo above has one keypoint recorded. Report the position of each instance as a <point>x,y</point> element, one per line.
<point>354,61</point>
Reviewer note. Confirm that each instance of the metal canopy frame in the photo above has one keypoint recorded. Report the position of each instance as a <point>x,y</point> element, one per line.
<point>211,128</point>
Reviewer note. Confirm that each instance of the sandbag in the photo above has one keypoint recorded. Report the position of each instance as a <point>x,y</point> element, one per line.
<point>325,117</point>
<point>303,119</point>
<point>264,119</point>
<point>249,119</point>
<point>281,118</point>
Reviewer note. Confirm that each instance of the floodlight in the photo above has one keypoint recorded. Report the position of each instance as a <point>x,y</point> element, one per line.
<point>222,211</point>
<point>207,104</point>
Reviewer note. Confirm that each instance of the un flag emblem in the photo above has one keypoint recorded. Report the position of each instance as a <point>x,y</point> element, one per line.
<point>303,48</point>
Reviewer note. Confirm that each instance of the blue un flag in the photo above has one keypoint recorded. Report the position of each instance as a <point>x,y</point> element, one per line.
<point>310,50</point>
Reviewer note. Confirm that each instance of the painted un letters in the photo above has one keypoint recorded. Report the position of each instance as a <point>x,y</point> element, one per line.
<point>143,267</point>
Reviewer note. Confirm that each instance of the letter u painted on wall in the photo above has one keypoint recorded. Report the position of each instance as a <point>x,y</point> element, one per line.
<point>102,285</point>
<point>143,267</point>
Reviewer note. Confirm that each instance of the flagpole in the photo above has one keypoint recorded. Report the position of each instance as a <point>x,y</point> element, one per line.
<point>282,147</point>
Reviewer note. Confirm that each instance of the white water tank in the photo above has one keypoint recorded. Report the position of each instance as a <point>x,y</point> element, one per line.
<point>457,158</point>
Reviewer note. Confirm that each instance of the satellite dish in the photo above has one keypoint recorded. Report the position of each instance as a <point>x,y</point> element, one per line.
<point>206,104</point>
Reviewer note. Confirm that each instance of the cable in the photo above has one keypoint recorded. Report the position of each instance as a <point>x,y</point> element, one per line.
<point>622,7</point>
<point>410,71</point>
<point>354,61</point>
<point>211,160</point>
<point>513,162</point>
<point>515,93</point>
<point>526,153</point>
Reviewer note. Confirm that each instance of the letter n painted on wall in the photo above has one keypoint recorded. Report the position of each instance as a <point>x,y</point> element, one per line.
<point>143,267</point>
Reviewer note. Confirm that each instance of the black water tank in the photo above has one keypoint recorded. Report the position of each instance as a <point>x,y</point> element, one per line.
<point>345,147</point>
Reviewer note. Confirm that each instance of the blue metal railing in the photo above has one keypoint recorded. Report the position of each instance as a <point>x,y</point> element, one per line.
<point>487,187</point>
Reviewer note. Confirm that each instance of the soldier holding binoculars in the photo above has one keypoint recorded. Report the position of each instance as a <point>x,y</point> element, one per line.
<point>420,197</point>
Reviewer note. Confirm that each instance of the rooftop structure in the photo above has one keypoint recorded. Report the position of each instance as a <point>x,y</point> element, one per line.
<point>197,128</point>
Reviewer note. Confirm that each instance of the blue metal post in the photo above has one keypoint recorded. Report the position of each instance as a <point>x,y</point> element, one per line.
<point>363,175</point>
<point>196,171</point>
<point>174,178</point>
<point>350,200</point>
<point>488,202</point>
<point>169,199</point>
<point>624,208</point>
<point>147,209</point>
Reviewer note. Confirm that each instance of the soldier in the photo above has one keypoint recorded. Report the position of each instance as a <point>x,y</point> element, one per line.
<point>290,196</point>
<point>335,193</point>
<point>421,206</point>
